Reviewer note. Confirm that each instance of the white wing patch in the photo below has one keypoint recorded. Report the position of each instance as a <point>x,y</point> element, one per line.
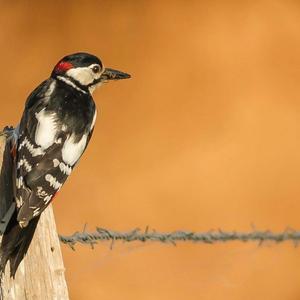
<point>19,182</point>
<point>34,151</point>
<point>46,129</point>
<point>65,168</point>
<point>24,162</point>
<point>41,193</point>
<point>47,199</point>
<point>55,162</point>
<point>36,210</point>
<point>19,201</point>
<point>53,182</point>
<point>72,151</point>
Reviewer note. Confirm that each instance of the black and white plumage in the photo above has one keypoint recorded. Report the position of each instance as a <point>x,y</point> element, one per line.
<point>54,131</point>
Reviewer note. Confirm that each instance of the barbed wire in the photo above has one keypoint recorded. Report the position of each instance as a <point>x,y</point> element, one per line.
<point>209,237</point>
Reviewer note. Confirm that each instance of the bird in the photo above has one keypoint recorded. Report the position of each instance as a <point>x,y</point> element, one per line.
<point>54,131</point>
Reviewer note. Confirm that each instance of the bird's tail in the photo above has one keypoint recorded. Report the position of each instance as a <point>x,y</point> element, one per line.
<point>15,243</point>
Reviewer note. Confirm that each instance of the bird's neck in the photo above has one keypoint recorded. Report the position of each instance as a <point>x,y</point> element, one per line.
<point>73,84</point>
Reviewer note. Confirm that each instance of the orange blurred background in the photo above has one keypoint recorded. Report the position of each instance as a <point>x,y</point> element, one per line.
<point>205,135</point>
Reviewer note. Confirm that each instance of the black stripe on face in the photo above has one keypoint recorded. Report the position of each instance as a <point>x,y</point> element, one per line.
<point>101,65</point>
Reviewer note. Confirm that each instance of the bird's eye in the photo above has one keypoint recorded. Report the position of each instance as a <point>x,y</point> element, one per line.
<point>96,69</point>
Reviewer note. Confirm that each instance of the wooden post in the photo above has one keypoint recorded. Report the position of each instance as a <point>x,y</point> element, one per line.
<point>41,273</point>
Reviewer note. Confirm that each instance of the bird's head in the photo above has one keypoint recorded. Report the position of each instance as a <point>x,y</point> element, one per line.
<point>85,71</point>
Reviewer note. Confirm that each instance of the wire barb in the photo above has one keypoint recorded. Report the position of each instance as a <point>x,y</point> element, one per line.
<point>209,237</point>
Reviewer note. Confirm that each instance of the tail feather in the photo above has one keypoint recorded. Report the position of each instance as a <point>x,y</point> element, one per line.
<point>15,243</point>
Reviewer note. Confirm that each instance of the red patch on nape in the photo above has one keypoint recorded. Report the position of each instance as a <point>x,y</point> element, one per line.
<point>63,66</point>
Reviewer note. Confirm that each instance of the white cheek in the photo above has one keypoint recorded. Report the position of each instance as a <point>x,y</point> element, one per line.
<point>46,129</point>
<point>84,75</point>
<point>72,151</point>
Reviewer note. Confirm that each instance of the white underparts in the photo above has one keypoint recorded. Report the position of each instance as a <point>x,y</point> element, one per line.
<point>72,151</point>
<point>72,84</point>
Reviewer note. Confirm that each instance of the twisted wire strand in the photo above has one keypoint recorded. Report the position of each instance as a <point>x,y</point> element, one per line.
<point>209,237</point>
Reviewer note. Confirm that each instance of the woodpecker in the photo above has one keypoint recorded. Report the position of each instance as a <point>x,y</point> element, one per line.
<point>55,129</point>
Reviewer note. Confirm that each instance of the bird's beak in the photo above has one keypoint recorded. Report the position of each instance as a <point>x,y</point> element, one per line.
<point>111,74</point>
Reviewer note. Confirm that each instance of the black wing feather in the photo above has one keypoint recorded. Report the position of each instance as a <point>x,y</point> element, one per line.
<point>34,191</point>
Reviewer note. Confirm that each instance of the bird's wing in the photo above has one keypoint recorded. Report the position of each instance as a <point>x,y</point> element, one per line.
<point>40,171</point>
